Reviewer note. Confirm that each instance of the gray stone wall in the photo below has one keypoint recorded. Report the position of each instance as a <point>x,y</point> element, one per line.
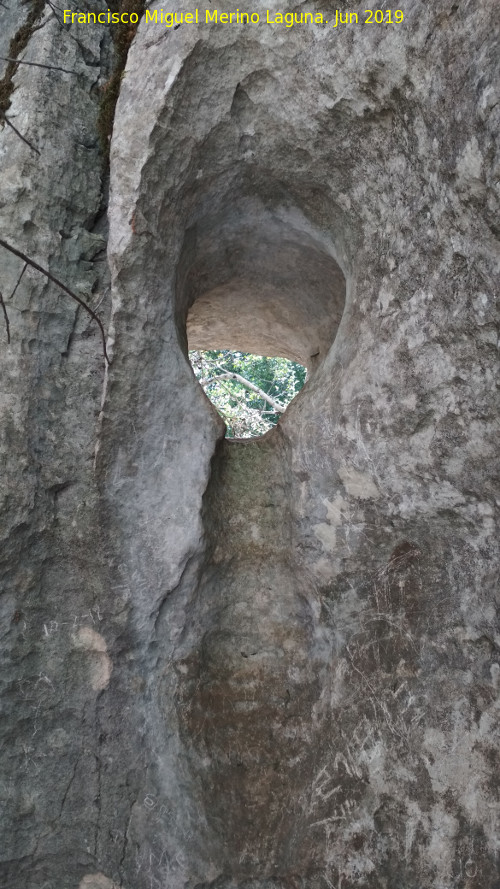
<point>52,208</point>
<point>271,663</point>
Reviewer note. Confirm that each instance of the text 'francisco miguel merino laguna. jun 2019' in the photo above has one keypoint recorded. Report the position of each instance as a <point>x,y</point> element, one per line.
<point>213,16</point>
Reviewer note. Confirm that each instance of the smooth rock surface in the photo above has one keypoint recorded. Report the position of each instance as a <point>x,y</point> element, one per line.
<point>275,663</point>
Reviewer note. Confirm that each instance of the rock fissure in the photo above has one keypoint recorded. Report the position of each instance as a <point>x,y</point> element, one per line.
<point>123,36</point>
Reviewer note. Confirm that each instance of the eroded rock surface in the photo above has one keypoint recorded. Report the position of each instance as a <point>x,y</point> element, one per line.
<point>271,663</point>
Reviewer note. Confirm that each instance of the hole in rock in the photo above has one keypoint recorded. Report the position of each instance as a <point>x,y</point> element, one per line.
<point>255,279</point>
<point>250,392</point>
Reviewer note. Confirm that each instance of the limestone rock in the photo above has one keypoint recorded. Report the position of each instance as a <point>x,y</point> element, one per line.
<point>270,663</point>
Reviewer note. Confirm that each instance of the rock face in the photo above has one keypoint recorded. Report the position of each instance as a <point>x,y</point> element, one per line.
<point>271,663</point>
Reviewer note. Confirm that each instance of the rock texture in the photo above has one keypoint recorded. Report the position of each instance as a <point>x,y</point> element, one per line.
<point>53,650</point>
<point>271,663</point>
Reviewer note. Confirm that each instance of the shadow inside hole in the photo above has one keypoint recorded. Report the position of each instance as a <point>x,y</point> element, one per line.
<point>259,280</point>
<point>250,392</point>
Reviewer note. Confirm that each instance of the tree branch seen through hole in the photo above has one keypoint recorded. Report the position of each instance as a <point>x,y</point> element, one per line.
<point>250,392</point>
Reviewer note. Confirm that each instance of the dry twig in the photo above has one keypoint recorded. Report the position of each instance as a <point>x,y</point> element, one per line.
<point>38,65</point>
<point>63,287</point>
<point>7,325</point>
<point>25,266</point>
<point>11,125</point>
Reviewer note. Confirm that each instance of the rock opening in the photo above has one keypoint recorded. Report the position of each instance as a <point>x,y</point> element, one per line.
<point>259,281</point>
<point>269,664</point>
<point>250,392</point>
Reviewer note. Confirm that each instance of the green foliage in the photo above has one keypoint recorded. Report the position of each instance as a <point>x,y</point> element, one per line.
<point>247,413</point>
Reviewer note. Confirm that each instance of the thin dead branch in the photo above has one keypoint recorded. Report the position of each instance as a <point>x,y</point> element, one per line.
<point>25,266</point>
<point>7,325</point>
<point>26,141</point>
<point>62,287</point>
<point>38,65</point>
